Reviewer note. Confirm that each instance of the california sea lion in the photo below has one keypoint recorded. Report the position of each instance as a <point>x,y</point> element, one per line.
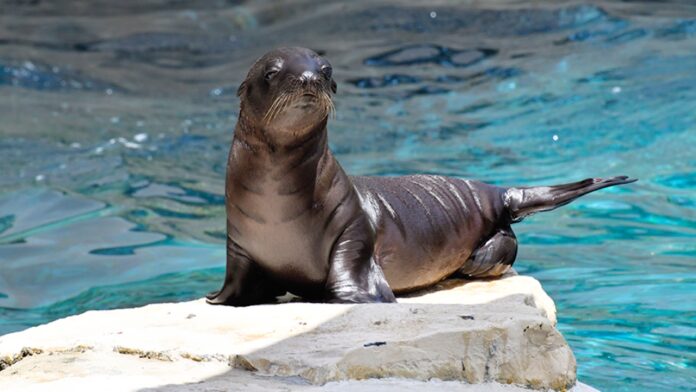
<point>296,222</point>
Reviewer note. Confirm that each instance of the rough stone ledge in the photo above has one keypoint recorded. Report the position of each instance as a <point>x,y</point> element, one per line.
<point>461,334</point>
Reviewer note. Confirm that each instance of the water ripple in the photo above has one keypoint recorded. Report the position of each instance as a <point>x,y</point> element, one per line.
<point>114,146</point>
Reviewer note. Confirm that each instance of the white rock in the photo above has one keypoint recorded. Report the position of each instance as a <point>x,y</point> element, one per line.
<point>456,291</point>
<point>473,336</point>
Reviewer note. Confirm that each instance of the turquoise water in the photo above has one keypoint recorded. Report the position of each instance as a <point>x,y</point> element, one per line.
<point>116,121</point>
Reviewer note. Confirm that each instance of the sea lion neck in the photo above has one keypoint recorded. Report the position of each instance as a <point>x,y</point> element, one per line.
<point>278,166</point>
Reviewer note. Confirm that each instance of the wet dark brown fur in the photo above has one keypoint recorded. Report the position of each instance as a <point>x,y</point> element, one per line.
<point>296,222</point>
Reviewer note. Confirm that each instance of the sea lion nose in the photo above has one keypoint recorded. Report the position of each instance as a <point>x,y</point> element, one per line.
<point>309,76</point>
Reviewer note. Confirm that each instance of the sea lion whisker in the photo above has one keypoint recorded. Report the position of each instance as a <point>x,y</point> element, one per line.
<point>270,110</point>
<point>296,91</point>
<point>276,107</point>
<point>280,104</point>
<point>326,103</point>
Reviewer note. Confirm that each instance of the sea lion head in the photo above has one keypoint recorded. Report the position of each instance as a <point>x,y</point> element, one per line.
<point>288,91</point>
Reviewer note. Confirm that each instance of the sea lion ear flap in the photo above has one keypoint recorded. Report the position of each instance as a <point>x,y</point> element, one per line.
<point>334,87</point>
<point>242,88</point>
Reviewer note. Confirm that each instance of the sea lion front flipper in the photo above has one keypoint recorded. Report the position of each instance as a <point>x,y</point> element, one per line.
<point>245,282</point>
<point>354,276</point>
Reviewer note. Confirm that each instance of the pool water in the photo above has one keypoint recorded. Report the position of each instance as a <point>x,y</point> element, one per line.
<point>116,119</point>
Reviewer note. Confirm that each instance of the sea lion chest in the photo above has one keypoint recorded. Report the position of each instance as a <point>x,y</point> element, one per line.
<point>278,214</point>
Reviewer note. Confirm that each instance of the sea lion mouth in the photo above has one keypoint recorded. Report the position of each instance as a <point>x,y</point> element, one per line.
<point>301,97</point>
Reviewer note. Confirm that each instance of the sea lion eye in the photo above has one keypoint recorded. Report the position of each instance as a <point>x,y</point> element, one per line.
<point>270,74</point>
<point>326,70</point>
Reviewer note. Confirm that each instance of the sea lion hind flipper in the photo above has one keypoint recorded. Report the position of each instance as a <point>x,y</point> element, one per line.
<point>524,201</point>
<point>493,258</point>
<point>354,275</point>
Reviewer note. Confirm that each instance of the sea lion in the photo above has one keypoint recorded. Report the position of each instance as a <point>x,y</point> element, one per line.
<point>297,223</point>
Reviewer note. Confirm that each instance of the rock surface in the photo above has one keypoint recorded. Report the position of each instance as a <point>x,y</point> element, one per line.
<point>461,335</point>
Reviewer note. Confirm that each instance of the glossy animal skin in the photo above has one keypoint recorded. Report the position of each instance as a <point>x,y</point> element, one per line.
<point>296,222</point>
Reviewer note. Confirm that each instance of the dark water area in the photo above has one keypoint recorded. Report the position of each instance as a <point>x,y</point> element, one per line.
<point>116,118</point>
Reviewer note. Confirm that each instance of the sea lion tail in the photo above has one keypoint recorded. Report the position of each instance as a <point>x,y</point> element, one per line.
<point>524,201</point>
